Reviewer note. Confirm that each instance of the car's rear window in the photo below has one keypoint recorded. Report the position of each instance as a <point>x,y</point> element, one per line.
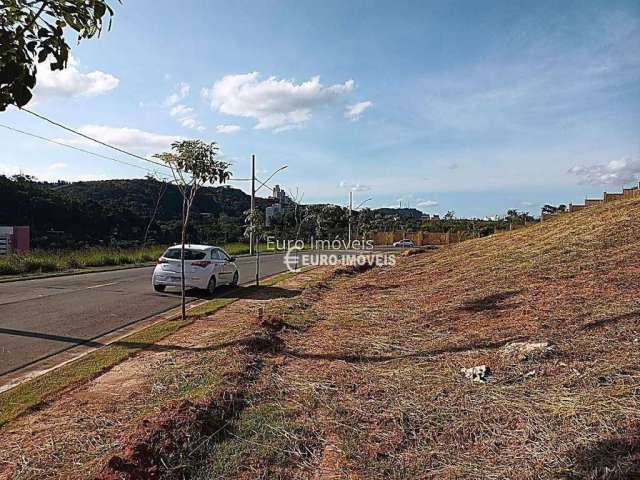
<point>174,254</point>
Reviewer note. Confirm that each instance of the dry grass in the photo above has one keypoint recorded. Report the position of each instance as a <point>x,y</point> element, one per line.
<point>383,364</point>
<point>357,375</point>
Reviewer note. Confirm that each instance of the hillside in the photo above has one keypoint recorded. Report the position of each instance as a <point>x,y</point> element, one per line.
<point>100,212</point>
<point>358,375</point>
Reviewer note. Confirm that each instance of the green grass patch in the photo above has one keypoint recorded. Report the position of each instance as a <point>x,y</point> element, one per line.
<point>45,261</point>
<point>29,394</point>
<point>210,307</point>
<point>276,279</point>
<point>262,436</point>
<point>50,261</point>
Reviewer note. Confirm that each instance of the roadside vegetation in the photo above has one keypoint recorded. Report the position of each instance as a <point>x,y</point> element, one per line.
<point>364,373</point>
<point>44,261</point>
<point>32,393</point>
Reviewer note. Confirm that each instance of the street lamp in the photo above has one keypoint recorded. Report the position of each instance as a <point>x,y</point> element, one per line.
<point>362,203</point>
<point>351,209</point>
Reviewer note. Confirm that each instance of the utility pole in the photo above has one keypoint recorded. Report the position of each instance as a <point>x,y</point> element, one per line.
<point>350,208</point>
<point>253,200</point>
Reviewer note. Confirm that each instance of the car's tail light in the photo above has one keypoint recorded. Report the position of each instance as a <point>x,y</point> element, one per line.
<point>162,260</point>
<point>203,263</point>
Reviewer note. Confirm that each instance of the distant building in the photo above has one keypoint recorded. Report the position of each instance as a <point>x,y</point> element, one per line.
<point>283,202</point>
<point>280,196</point>
<point>14,240</point>
<point>271,212</point>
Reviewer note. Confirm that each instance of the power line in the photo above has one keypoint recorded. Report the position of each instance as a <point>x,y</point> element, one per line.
<point>50,140</point>
<point>88,137</point>
<point>53,122</point>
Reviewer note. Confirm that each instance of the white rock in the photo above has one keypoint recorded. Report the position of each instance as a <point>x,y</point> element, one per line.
<point>476,374</point>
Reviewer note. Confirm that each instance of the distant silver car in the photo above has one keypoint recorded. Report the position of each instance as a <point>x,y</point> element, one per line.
<point>404,243</point>
<point>205,268</point>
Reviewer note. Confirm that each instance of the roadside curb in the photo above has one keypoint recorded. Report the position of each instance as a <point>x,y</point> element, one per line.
<point>84,271</point>
<point>78,353</point>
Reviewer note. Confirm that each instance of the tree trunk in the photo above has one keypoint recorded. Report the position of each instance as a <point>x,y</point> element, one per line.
<point>155,212</point>
<point>182,282</point>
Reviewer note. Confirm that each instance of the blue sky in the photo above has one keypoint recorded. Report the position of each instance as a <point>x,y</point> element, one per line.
<point>465,106</point>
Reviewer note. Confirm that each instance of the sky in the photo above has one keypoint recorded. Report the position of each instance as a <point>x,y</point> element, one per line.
<point>475,107</point>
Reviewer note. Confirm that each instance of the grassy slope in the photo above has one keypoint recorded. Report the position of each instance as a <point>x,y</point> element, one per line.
<point>377,376</point>
<point>364,381</point>
<point>573,281</point>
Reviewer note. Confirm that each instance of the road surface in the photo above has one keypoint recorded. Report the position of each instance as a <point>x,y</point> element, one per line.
<point>42,317</point>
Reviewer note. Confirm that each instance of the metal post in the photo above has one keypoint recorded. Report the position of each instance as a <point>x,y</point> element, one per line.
<point>257,263</point>
<point>253,200</point>
<point>350,207</point>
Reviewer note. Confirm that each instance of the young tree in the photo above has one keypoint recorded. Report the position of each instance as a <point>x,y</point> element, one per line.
<point>31,31</point>
<point>298,211</point>
<point>162,188</point>
<point>254,222</point>
<point>193,163</point>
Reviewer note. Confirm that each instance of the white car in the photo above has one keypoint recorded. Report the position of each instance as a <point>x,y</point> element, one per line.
<point>404,243</point>
<point>205,268</point>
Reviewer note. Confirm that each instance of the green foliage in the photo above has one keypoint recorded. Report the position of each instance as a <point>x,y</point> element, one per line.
<point>32,31</point>
<point>551,209</point>
<point>40,261</point>
<point>27,395</point>
<point>518,218</point>
<point>195,162</point>
<point>254,224</point>
<point>117,212</point>
<point>263,435</point>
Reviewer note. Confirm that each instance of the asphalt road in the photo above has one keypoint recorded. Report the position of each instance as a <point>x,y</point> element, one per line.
<point>42,317</point>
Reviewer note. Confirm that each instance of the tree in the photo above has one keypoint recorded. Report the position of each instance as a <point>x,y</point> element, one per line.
<point>193,163</point>
<point>254,222</point>
<point>32,31</point>
<point>450,215</point>
<point>551,209</point>
<point>162,188</point>
<point>366,222</point>
<point>298,212</point>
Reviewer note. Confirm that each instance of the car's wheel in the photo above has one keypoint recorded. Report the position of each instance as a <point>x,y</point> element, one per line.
<point>159,288</point>
<point>211,287</point>
<point>234,282</point>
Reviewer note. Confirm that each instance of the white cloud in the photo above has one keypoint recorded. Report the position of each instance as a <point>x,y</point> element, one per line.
<point>73,177</point>
<point>58,166</point>
<point>182,90</point>
<point>427,204</point>
<point>138,141</point>
<point>180,110</point>
<point>9,170</point>
<point>227,128</point>
<point>354,111</point>
<point>183,114</point>
<point>274,103</point>
<point>615,173</point>
<point>71,82</point>
<point>354,187</point>
<point>190,122</point>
